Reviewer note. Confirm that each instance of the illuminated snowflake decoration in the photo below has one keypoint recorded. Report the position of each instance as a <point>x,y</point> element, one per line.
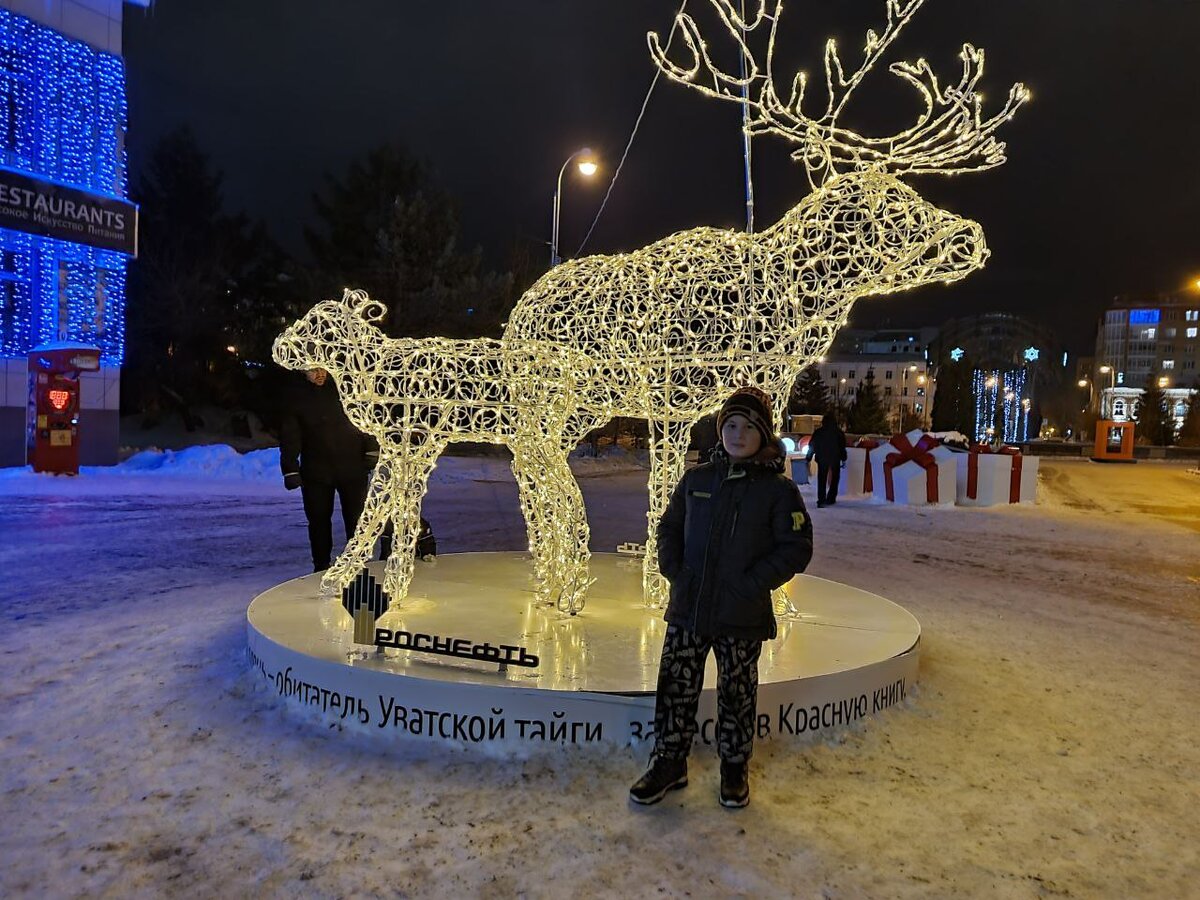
<point>957,354</point>
<point>665,332</point>
<point>1031,354</point>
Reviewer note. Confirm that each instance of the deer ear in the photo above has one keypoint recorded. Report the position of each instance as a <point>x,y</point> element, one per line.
<point>369,310</point>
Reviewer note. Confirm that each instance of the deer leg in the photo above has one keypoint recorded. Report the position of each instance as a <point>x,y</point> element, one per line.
<point>668,453</point>
<point>556,522</point>
<point>409,482</point>
<point>531,482</point>
<point>361,546</point>
<point>780,600</point>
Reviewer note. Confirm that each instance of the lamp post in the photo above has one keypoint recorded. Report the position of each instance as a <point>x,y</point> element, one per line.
<point>587,167</point>
<point>1112,389</point>
<point>1087,383</point>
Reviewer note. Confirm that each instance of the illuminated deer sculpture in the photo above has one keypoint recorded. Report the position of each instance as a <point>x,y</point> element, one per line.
<point>665,332</point>
<point>414,396</point>
<point>673,327</point>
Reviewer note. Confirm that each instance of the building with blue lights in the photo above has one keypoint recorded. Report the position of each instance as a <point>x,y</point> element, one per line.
<point>67,229</point>
<point>1143,337</point>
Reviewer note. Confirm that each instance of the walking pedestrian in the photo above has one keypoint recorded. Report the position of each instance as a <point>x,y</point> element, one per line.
<point>828,445</point>
<point>323,454</point>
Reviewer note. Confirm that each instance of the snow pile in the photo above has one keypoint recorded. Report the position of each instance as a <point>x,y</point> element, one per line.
<point>212,461</point>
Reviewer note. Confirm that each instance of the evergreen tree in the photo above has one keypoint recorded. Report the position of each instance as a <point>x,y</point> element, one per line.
<point>867,414</point>
<point>181,296</point>
<point>810,394</point>
<point>387,229</point>
<point>1189,432</point>
<point>910,419</point>
<point>954,400</point>
<point>1155,425</point>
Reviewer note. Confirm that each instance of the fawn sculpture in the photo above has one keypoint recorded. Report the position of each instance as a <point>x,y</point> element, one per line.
<point>414,396</point>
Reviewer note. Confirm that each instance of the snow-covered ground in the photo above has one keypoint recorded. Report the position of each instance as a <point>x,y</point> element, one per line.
<point>1052,749</point>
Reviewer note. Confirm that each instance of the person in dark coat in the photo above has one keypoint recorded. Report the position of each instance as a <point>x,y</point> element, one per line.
<point>828,445</point>
<point>734,530</point>
<point>321,453</point>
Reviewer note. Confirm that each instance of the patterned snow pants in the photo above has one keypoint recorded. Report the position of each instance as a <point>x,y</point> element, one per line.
<point>680,677</point>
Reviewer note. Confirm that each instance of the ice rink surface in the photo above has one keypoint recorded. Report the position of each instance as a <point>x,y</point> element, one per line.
<point>1051,749</point>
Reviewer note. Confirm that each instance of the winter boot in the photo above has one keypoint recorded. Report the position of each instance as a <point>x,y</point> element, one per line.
<point>735,784</point>
<point>662,776</point>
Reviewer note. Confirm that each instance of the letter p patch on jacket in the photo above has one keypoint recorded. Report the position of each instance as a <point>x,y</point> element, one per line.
<point>797,521</point>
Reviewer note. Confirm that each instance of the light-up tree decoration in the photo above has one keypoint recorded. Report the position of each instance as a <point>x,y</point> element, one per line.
<point>676,325</point>
<point>414,396</point>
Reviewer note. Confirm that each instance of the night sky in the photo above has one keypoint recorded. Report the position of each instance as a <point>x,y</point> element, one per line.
<point>1099,197</point>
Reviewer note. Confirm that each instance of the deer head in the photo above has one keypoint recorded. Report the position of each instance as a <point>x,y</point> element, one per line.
<point>328,336</point>
<point>868,233</point>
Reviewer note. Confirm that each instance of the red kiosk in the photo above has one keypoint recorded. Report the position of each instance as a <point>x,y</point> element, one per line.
<point>1114,442</point>
<point>52,426</point>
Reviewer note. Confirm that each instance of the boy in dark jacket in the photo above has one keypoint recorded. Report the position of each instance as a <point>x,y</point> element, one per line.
<point>734,530</point>
<point>322,453</point>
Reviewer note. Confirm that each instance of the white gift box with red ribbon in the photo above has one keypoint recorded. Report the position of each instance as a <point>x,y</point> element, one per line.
<point>914,469</point>
<point>858,478</point>
<point>996,477</point>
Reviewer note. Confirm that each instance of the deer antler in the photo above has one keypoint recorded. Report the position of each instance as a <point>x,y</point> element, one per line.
<point>950,135</point>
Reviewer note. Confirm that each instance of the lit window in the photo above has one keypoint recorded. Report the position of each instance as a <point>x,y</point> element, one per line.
<point>1168,364</point>
<point>1192,315</point>
<point>1191,332</point>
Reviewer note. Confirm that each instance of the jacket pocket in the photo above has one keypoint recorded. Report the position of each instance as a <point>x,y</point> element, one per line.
<point>681,602</point>
<point>741,606</point>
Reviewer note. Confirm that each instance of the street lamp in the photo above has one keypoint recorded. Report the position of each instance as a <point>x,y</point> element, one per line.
<point>587,167</point>
<point>1112,389</point>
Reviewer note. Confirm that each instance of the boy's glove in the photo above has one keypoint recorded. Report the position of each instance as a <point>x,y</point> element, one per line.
<point>291,481</point>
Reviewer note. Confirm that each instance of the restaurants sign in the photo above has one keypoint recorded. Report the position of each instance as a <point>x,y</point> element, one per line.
<point>37,206</point>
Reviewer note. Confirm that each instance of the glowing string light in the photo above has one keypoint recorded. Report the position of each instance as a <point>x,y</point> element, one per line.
<point>62,117</point>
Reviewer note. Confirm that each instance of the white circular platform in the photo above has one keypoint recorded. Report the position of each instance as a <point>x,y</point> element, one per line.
<point>848,654</point>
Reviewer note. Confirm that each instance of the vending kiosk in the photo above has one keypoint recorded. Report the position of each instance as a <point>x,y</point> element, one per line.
<point>1114,442</point>
<point>52,426</point>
